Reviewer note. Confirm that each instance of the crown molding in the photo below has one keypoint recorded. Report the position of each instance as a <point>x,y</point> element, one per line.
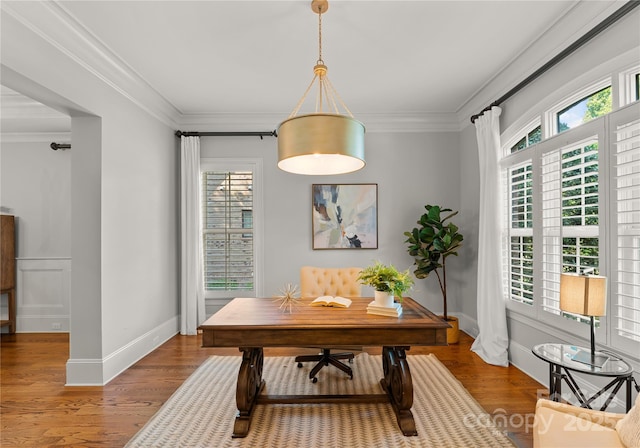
<point>58,27</point>
<point>410,122</point>
<point>35,137</point>
<point>21,115</point>
<point>236,122</point>
<point>374,123</point>
<point>17,106</point>
<point>577,20</point>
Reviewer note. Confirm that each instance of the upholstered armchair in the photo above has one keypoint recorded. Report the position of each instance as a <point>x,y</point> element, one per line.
<point>315,282</point>
<point>563,425</point>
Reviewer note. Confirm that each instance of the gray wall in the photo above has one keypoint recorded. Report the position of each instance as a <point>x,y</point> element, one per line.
<point>35,186</point>
<point>125,214</point>
<point>619,45</point>
<point>411,170</point>
<point>124,238</point>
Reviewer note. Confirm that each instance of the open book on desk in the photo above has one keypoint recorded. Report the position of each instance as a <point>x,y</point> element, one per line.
<point>337,301</point>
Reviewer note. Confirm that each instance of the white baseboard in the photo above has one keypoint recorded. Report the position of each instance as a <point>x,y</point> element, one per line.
<point>467,324</point>
<point>42,324</point>
<point>84,372</point>
<point>98,372</point>
<point>521,357</point>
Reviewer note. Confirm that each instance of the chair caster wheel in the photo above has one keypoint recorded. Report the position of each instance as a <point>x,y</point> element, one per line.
<point>314,380</point>
<point>299,365</point>
<point>351,377</point>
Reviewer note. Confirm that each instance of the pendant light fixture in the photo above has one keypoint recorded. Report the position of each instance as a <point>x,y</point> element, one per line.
<point>321,143</point>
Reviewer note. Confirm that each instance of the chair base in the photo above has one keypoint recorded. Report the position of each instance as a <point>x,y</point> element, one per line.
<point>324,359</point>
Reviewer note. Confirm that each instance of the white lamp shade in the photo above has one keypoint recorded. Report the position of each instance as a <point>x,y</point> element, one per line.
<point>583,294</point>
<point>321,144</point>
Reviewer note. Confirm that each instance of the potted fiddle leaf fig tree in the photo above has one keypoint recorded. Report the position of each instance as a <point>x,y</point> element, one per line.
<point>430,245</point>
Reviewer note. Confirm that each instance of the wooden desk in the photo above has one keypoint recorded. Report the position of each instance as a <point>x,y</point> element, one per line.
<point>252,324</point>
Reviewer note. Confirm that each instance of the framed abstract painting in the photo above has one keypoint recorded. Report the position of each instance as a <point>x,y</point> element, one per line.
<point>345,216</point>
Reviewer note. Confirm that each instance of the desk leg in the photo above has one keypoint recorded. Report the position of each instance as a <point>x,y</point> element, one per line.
<point>399,386</point>
<point>249,386</point>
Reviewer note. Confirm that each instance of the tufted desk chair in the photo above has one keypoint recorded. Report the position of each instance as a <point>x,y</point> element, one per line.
<point>315,282</point>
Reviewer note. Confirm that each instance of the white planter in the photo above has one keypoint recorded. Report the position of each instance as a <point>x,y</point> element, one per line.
<point>384,299</point>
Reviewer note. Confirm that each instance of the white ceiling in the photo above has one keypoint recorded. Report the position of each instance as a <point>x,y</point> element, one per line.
<point>255,57</point>
<point>239,58</point>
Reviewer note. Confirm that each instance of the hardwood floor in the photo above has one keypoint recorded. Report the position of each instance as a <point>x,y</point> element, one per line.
<point>37,409</point>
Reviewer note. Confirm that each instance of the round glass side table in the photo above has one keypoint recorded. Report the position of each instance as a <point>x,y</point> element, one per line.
<point>565,358</point>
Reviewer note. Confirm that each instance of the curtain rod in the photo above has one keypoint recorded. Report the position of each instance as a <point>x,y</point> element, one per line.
<point>593,32</point>
<point>55,146</point>
<point>227,134</point>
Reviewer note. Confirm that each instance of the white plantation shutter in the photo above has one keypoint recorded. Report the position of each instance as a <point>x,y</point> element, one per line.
<point>551,231</point>
<point>586,214</point>
<point>625,273</point>
<point>570,215</point>
<point>228,238</point>
<point>520,265</point>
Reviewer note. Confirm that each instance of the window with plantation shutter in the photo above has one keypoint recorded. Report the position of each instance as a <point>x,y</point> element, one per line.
<point>521,233</point>
<point>572,204</point>
<point>552,231</point>
<point>594,105</point>
<point>570,220</point>
<point>530,138</point>
<point>625,276</point>
<point>228,232</point>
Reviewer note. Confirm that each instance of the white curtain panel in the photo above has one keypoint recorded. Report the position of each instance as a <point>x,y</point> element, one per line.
<point>192,310</point>
<point>492,343</point>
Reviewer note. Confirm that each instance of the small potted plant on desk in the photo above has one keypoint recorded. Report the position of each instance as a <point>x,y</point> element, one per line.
<point>388,282</point>
<point>430,245</point>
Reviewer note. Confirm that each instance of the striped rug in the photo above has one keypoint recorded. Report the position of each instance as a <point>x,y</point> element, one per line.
<point>202,411</point>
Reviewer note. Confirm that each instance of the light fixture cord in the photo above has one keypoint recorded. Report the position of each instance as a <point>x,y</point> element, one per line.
<point>320,61</point>
<point>295,110</point>
<point>325,88</point>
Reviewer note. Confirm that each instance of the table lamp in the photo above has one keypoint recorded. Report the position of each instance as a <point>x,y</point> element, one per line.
<point>585,295</point>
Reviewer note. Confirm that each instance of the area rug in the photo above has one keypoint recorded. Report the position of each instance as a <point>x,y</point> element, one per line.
<point>201,412</point>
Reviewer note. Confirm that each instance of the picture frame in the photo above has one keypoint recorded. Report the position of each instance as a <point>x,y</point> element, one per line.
<point>344,216</point>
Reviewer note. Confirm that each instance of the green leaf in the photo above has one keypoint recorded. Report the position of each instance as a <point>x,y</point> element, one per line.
<point>434,213</point>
